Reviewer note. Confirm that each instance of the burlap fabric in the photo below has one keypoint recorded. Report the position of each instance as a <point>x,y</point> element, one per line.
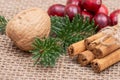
<point>18,65</point>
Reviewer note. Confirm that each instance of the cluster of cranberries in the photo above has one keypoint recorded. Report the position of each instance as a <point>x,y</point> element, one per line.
<point>94,9</point>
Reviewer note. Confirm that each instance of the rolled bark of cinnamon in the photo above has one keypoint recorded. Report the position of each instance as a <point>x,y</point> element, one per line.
<point>99,65</point>
<point>85,57</point>
<point>92,38</point>
<point>76,48</point>
<point>101,50</point>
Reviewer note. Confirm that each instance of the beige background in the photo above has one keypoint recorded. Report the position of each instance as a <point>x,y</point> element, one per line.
<point>17,65</point>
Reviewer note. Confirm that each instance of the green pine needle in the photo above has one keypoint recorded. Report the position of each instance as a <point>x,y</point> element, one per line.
<point>63,33</point>
<point>3,23</point>
<point>46,51</point>
<point>71,32</point>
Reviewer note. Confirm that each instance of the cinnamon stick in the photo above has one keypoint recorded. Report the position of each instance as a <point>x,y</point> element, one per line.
<point>76,48</point>
<point>101,50</point>
<point>99,65</point>
<point>85,57</point>
<point>92,38</point>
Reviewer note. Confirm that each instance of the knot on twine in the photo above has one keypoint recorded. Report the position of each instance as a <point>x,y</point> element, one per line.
<point>113,32</point>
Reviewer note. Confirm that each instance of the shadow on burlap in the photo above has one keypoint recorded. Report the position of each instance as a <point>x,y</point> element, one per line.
<point>18,65</point>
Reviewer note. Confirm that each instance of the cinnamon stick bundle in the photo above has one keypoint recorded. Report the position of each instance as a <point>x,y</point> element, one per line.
<point>85,57</point>
<point>81,46</point>
<point>76,48</point>
<point>92,38</point>
<point>99,65</point>
<point>101,50</point>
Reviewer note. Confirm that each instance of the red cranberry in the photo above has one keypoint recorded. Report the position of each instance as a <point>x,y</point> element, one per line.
<point>114,17</point>
<point>75,2</point>
<point>71,10</point>
<point>103,9</point>
<point>91,5</point>
<point>101,20</point>
<point>56,9</point>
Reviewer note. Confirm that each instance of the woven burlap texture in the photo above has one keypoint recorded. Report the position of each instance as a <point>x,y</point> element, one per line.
<point>18,65</point>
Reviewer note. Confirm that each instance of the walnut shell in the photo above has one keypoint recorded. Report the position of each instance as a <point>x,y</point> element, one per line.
<point>27,25</point>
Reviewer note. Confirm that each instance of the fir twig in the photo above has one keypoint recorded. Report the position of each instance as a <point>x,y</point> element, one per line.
<point>3,23</point>
<point>70,32</point>
<point>46,51</point>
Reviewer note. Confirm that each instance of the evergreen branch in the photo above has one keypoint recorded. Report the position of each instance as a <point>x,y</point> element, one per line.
<point>70,32</point>
<point>3,23</point>
<point>46,51</point>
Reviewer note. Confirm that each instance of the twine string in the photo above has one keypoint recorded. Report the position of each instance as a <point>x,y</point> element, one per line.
<point>113,32</point>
